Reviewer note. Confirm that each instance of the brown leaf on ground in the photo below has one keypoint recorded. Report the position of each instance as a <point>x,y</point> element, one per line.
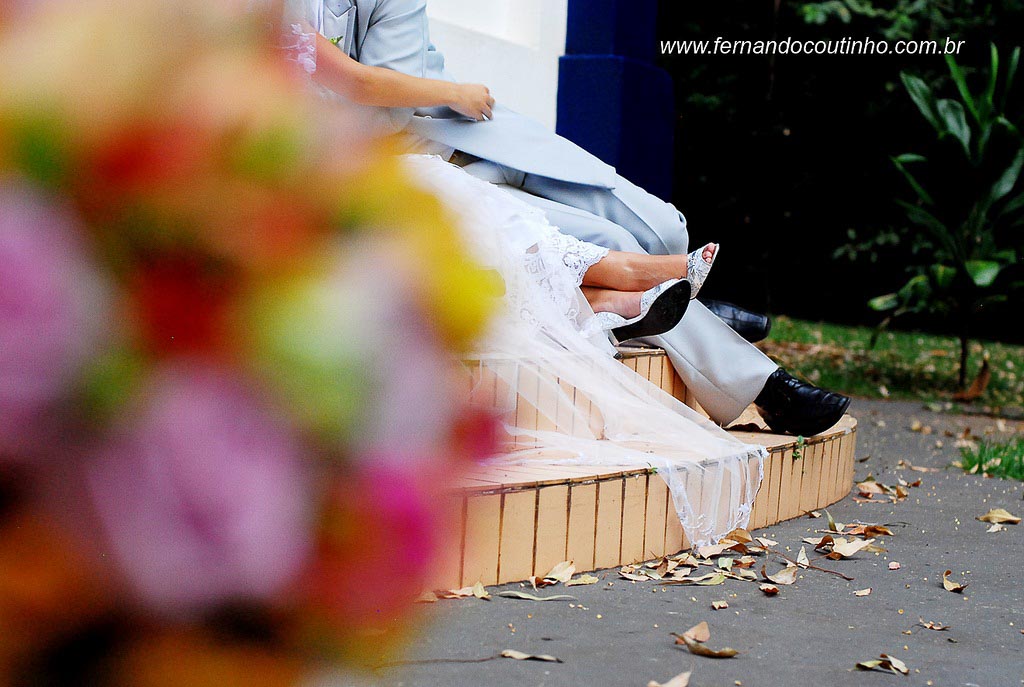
<point>581,580</point>
<point>894,565</point>
<point>844,548</point>
<point>821,544</point>
<point>520,656</point>
<point>885,663</point>
<point>680,680</point>
<point>868,530</point>
<point>769,589</point>
<point>698,633</point>
<point>426,598</point>
<point>950,585</point>
<point>479,591</point>
<point>562,572</point>
<point>512,594</point>
<point>699,649</point>
<point>719,605</point>
<point>462,593</point>
<point>978,386</point>
<point>786,576</point>
<point>916,468</point>
<point>801,558</point>
<point>999,516</point>
<point>930,625</point>
<point>766,542</point>
<point>740,535</point>
<point>813,514</point>
<point>862,592</point>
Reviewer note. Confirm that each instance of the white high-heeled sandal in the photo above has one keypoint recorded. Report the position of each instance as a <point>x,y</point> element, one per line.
<point>661,309</point>
<point>697,269</point>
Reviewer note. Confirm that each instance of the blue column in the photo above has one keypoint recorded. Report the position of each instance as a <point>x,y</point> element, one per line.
<point>612,99</point>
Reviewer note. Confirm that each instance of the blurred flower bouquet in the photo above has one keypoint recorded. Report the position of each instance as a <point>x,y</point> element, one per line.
<point>226,332</point>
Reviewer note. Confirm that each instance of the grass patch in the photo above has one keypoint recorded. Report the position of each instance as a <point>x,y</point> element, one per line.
<point>902,365</point>
<point>995,460</point>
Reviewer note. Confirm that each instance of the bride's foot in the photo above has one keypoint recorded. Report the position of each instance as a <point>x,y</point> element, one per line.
<point>698,266</point>
<point>632,315</point>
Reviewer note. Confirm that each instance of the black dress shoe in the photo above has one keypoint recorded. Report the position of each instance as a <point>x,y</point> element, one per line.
<point>752,326</point>
<point>790,406</point>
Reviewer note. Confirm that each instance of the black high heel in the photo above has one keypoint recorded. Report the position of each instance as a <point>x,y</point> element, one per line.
<point>661,309</point>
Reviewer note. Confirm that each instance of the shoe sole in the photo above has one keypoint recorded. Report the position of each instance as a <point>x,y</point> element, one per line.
<point>666,312</point>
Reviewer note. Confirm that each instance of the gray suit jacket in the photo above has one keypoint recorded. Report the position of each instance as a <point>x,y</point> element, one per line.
<point>394,34</point>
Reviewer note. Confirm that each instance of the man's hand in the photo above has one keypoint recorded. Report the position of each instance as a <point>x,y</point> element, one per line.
<point>472,100</point>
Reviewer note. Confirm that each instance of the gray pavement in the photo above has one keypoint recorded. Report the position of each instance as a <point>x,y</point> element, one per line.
<point>814,631</point>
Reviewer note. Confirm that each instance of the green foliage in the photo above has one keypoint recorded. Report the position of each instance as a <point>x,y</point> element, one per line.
<point>902,19</point>
<point>968,207</point>
<point>1005,460</point>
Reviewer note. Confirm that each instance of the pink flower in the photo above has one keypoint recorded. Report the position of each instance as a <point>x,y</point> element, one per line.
<point>51,311</point>
<point>203,494</point>
<point>389,515</point>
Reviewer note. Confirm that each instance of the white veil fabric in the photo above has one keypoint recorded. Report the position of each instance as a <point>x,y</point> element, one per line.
<point>546,366</point>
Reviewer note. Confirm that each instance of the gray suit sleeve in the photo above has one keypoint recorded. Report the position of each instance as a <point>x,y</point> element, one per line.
<point>397,38</point>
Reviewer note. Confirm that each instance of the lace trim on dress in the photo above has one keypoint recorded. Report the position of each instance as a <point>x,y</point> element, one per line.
<point>300,46</point>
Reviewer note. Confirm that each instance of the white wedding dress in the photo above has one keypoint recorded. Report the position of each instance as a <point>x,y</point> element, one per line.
<point>548,367</point>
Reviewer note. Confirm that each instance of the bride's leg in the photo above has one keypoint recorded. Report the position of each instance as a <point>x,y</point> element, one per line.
<point>630,272</point>
<point>624,303</point>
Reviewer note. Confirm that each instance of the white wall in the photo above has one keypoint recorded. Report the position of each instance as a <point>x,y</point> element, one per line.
<point>512,46</point>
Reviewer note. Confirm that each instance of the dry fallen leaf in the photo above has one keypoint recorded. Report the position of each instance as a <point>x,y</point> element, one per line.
<point>930,625</point>
<point>479,591</point>
<point>843,548</point>
<point>562,572</point>
<point>680,680</point>
<point>426,598</point>
<point>699,649</point>
<point>950,585</point>
<point>785,576</point>
<point>801,558</point>
<point>862,592</point>
<point>766,542</point>
<point>582,579</point>
<point>740,535</point>
<point>998,527</point>
<point>813,514</point>
<point>512,594</point>
<point>894,565</point>
<point>719,605</point>
<point>769,589</point>
<point>461,593</point>
<point>979,384</point>
<point>887,663</point>
<point>1000,516</point>
<point>520,656</point>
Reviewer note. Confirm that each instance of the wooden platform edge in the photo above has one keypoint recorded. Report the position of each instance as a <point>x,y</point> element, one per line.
<point>518,521</point>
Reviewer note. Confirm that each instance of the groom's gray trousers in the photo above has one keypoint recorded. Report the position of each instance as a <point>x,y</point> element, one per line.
<point>724,372</point>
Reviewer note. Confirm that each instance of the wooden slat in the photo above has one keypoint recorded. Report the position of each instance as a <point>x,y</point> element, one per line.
<point>483,524</point>
<point>608,535</point>
<point>552,528</point>
<point>811,469</point>
<point>518,519</point>
<point>582,509</point>
<point>447,573</point>
<point>634,513</point>
<point>654,521</point>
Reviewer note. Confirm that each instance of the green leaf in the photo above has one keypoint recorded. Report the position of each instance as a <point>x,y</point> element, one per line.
<point>943,275</point>
<point>1011,73</point>
<point>988,102</point>
<point>900,161</point>
<point>952,113</point>
<point>983,272</point>
<point>882,303</point>
<point>1008,180</point>
<point>922,96</point>
<point>957,72</point>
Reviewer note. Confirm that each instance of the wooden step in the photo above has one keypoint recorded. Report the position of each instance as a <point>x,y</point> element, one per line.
<point>517,521</point>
